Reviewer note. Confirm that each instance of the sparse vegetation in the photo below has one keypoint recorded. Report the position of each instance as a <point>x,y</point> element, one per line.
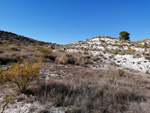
<point>119,51</point>
<point>130,51</point>
<point>90,91</point>
<point>43,49</point>
<point>11,38</point>
<point>21,75</point>
<point>6,103</point>
<point>90,80</point>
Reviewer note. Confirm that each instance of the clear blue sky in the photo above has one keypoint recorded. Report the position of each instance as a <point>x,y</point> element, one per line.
<point>68,21</point>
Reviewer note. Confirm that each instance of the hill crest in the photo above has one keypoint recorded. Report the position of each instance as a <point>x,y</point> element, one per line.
<point>11,38</point>
<point>126,54</point>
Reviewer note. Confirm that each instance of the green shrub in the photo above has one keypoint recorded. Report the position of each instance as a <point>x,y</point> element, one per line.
<point>21,75</point>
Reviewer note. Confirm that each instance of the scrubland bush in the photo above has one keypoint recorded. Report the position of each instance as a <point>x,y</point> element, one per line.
<point>14,49</point>
<point>120,72</point>
<point>21,74</point>
<point>130,51</point>
<point>119,45</point>
<point>43,49</point>
<point>69,58</point>
<point>61,50</point>
<point>118,51</point>
<point>140,45</point>
<point>90,91</point>
<point>49,57</point>
<point>63,59</point>
<point>115,51</point>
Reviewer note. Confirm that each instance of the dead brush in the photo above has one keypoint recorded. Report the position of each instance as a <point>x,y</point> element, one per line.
<point>90,91</point>
<point>72,58</point>
<point>43,49</point>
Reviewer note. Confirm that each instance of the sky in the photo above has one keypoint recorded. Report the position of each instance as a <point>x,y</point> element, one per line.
<point>68,21</point>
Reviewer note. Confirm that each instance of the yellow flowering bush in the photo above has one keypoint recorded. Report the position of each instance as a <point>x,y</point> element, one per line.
<point>21,74</point>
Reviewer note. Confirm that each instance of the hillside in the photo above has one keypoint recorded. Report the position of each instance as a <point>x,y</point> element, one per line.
<point>98,75</point>
<point>15,47</point>
<point>12,38</point>
<point>125,54</point>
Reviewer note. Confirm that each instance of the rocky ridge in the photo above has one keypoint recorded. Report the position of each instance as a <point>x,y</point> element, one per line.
<point>125,54</point>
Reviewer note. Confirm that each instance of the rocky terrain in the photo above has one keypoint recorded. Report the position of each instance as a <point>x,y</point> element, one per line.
<point>98,75</point>
<point>125,54</point>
